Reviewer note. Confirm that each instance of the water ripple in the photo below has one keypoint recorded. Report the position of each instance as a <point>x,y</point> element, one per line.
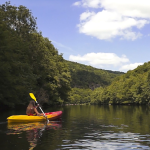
<point>108,140</point>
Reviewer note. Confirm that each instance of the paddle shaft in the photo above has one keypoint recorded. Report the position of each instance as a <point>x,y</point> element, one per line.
<point>41,109</point>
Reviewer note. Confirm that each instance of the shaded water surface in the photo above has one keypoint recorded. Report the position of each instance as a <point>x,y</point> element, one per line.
<point>81,127</point>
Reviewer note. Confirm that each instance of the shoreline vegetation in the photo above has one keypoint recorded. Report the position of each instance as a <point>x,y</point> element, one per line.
<point>30,63</point>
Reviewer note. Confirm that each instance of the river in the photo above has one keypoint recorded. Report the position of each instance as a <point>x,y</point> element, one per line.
<point>81,127</point>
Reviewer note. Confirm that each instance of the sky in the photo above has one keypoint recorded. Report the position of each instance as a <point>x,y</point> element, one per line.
<point>105,34</point>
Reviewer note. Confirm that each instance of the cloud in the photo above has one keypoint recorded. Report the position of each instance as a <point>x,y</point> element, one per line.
<point>134,8</point>
<point>130,66</point>
<point>77,3</point>
<point>89,3</point>
<point>107,61</point>
<point>100,59</point>
<point>86,16</point>
<point>116,18</point>
<point>61,45</point>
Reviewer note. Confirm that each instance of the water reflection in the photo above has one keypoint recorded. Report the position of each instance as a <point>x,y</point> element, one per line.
<point>109,140</point>
<point>34,131</point>
<point>113,141</point>
<point>108,128</point>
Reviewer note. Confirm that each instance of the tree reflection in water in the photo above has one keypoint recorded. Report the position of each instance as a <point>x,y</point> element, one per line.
<point>33,130</point>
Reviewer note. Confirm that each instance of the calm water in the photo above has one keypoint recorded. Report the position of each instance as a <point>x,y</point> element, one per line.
<point>81,127</point>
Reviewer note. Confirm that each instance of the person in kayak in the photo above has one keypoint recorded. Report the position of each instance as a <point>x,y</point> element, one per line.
<point>32,109</point>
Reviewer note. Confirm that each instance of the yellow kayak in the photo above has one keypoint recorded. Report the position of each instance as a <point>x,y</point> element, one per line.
<point>25,118</point>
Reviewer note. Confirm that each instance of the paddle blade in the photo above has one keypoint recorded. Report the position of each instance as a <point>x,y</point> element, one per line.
<point>32,96</point>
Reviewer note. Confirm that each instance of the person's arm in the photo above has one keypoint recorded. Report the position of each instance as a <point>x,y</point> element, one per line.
<point>35,110</point>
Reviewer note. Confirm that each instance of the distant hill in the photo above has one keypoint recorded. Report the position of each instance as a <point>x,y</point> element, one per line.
<point>84,76</point>
<point>130,88</point>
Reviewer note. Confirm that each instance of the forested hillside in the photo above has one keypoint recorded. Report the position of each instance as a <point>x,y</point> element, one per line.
<point>28,61</point>
<point>130,88</point>
<point>88,77</point>
<point>85,79</point>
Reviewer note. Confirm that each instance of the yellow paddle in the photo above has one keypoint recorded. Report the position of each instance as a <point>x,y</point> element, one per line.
<point>33,97</point>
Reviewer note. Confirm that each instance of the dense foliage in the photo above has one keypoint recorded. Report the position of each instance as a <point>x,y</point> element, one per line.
<point>28,61</point>
<point>80,96</point>
<point>84,76</point>
<point>130,88</point>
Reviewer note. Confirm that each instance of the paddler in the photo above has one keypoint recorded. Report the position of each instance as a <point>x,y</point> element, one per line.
<point>32,109</point>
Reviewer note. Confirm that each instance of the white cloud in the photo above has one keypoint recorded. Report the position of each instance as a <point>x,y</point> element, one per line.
<point>107,25</point>
<point>61,45</point>
<point>130,66</point>
<point>107,61</point>
<point>86,15</point>
<point>89,3</point>
<point>100,59</point>
<point>77,3</point>
<point>115,18</point>
<point>135,8</point>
